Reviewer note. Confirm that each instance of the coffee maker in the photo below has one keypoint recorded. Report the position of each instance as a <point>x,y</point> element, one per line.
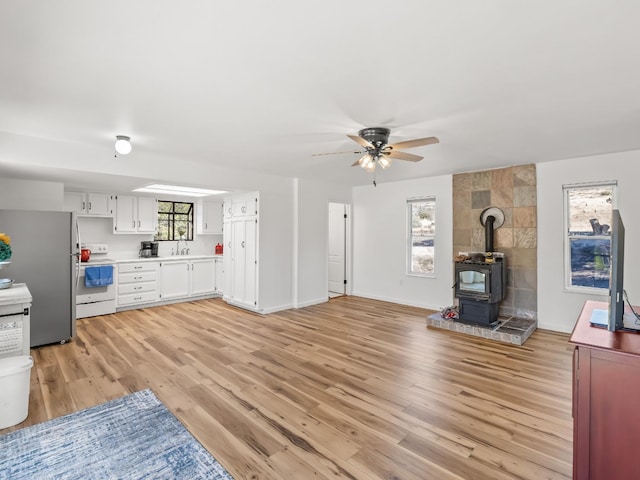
<point>148,249</point>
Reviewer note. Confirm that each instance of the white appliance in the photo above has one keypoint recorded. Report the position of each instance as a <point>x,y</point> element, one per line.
<point>93,301</point>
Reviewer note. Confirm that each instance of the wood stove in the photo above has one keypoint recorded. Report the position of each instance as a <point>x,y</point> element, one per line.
<point>480,279</point>
<point>479,288</point>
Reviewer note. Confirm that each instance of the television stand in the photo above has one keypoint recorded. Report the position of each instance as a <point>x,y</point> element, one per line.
<point>606,388</point>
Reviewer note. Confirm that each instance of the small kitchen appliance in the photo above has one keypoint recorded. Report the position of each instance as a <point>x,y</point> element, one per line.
<point>148,249</point>
<point>85,254</point>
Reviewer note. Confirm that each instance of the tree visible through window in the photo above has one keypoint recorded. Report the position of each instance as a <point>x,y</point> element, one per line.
<point>422,230</point>
<point>175,220</point>
<point>588,242</point>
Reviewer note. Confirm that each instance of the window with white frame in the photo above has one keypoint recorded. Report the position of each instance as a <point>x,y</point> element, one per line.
<point>421,219</point>
<point>588,209</point>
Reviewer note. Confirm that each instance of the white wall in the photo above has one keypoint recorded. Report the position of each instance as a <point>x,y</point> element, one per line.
<point>312,237</point>
<point>558,309</point>
<point>30,195</point>
<point>380,243</point>
<point>275,259</point>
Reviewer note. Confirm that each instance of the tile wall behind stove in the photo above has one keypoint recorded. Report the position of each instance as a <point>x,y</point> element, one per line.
<point>513,190</point>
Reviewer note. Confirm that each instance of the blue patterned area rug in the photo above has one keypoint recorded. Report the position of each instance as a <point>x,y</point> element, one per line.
<point>133,437</point>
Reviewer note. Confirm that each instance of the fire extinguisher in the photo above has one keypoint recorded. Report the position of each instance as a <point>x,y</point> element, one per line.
<point>218,249</point>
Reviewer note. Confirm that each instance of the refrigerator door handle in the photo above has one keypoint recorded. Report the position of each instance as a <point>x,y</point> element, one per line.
<point>77,254</point>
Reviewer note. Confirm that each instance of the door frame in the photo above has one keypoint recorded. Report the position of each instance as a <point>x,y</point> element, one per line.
<point>347,248</point>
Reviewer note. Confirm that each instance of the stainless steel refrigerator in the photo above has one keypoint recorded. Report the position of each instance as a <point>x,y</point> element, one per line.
<point>45,251</point>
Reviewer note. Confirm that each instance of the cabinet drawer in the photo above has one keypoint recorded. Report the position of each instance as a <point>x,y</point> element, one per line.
<point>137,277</point>
<point>138,267</point>
<point>135,298</point>
<point>139,287</point>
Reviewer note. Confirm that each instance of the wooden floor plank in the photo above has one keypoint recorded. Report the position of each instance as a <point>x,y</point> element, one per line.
<point>352,388</point>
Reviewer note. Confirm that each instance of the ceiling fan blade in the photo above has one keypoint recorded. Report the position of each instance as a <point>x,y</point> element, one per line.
<point>403,156</point>
<point>418,142</point>
<point>360,141</point>
<point>334,153</point>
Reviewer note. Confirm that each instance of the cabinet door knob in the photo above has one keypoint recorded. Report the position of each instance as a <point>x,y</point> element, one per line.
<point>242,244</point>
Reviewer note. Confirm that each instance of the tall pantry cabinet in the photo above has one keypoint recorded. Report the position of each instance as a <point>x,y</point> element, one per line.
<point>241,237</point>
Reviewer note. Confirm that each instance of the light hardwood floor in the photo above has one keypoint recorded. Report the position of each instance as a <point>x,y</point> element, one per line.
<point>353,388</point>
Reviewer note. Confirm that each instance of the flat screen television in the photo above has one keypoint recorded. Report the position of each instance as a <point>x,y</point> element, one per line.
<point>616,289</point>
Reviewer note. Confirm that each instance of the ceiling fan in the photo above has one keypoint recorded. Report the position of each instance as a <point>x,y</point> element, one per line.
<point>378,151</point>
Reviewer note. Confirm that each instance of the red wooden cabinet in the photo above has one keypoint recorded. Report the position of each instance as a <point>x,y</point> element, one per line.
<point>606,401</point>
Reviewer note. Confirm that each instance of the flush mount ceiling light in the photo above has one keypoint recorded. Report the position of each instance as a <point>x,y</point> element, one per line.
<point>123,144</point>
<point>177,190</point>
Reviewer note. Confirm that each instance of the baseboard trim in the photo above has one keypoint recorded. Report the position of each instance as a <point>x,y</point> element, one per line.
<point>397,301</point>
<point>312,302</point>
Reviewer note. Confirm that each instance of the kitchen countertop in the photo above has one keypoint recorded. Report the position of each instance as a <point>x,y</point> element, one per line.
<point>18,293</point>
<point>166,259</point>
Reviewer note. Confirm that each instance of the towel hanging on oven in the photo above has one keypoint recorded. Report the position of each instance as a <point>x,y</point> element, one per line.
<point>98,276</point>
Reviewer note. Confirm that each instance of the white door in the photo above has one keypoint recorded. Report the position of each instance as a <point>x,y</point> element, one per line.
<point>337,248</point>
<point>174,279</point>
<point>250,265</point>
<point>227,258</point>
<point>99,204</point>
<point>203,276</point>
<point>126,214</point>
<point>219,275</point>
<point>238,260</point>
<point>244,256</point>
<point>147,213</point>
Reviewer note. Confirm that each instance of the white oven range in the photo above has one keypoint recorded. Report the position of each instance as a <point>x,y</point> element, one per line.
<point>92,301</point>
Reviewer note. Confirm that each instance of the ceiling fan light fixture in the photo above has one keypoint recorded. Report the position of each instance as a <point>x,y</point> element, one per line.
<point>123,144</point>
<point>371,166</point>
<point>366,162</point>
<point>384,162</point>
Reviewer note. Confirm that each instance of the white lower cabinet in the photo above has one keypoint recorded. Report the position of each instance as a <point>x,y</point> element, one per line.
<point>137,283</point>
<point>174,279</point>
<point>187,278</point>
<point>203,276</point>
<point>219,267</point>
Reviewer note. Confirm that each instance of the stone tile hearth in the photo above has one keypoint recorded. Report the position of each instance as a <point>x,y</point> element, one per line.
<point>508,330</point>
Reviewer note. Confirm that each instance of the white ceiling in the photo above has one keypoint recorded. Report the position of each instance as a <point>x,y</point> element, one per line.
<point>257,86</point>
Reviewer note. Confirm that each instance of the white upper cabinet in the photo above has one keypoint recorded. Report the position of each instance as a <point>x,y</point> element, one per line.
<point>100,204</point>
<point>75,202</point>
<point>243,205</point>
<point>135,214</point>
<point>147,215</point>
<point>209,217</point>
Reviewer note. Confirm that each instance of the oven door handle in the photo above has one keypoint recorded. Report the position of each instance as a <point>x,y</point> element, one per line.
<point>15,314</point>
